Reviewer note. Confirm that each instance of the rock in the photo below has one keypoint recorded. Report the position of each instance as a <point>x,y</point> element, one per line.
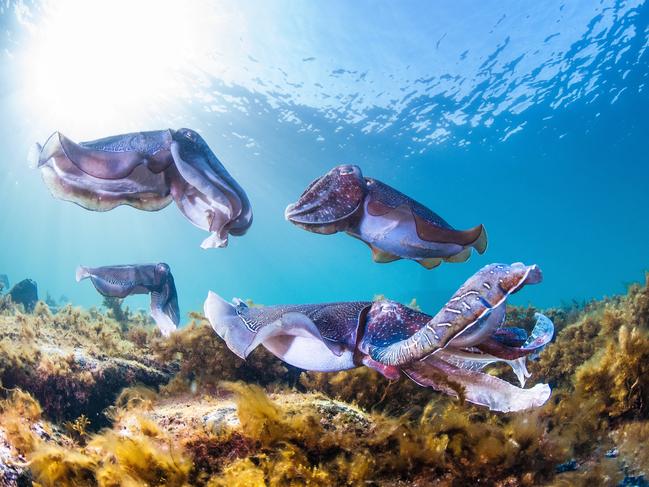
<point>25,293</point>
<point>9,472</point>
<point>4,282</point>
<point>89,385</point>
<point>569,466</point>
<point>222,418</point>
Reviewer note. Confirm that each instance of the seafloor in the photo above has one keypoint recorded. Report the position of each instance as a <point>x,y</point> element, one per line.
<point>98,397</point>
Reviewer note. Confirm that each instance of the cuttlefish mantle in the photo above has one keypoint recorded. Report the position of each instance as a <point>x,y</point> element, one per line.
<point>392,224</point>
<point>446,352</point>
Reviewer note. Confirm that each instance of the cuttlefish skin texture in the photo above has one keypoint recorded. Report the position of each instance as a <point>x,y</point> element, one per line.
<point>393,225</point>
<point>120,281</point>
<point>446,352</point>
<point>148,170</point>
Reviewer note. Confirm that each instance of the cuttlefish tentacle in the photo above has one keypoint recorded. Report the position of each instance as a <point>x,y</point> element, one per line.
<point>124,280</point>
<point>494,350</point>
<point>477,388</point>
<point>393,225</point>
<point>147,170</point>
<point>469,317</point>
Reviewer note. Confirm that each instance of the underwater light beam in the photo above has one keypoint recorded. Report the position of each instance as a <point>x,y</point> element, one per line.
<point>94,65</point>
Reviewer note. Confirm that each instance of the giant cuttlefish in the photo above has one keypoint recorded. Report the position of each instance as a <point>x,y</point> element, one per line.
<point>392,224</point>
<point>445,352</point>
<point>147,170</point>
<point>119,281</point>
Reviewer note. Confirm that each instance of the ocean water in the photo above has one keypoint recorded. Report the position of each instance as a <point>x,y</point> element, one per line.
<point>530,118</point>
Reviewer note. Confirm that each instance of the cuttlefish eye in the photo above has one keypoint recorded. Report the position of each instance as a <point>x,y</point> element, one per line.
<point>188,134</point>
<point>162,269</point>
<point>347,169</point>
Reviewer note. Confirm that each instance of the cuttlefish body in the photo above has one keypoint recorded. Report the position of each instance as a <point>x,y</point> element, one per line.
<point>148,170</point>
<point>120,281</point>
<point>445,352</point>
<point>392,224</point>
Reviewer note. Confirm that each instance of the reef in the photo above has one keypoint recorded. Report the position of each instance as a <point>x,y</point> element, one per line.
<point>88,400</point>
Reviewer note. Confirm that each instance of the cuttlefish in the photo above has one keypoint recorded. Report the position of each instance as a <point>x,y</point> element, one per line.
<point>392,224</point>
<point>445,352</point>
<point>148,170</point>
<point>119,281</point>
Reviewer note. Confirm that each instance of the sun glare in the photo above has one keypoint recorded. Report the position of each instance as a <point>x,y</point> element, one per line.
<point>95,64</point>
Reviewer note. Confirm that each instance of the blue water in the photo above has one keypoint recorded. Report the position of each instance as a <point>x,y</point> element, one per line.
<point>530,118</point>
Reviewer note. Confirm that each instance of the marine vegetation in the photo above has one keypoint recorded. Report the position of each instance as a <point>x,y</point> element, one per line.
<point>392,224</point>
<point>213,419</point>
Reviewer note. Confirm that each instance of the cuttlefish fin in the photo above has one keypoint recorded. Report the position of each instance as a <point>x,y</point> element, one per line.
<point>475,237</point>
<point>430,263</point>
<point>382,257</point>
<point>480,243</point>
<point>462,256</point>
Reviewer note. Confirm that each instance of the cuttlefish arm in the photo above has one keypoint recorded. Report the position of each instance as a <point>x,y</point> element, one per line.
<point>473,313</point>
<point>476,387</point>
<point>124,280</point>
<point>147,170</point>
<point>206,193</point>
<point>498,349</point>
<point>312,337</point>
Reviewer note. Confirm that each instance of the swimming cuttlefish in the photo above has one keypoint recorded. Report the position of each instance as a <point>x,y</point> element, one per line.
<point>147,170</point>
<point>445,352</point>
<point>119,281</point>
<point>392,224</point>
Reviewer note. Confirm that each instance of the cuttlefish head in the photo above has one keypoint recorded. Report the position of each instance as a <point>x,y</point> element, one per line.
<point>205,192</point>
<point>330,202</point>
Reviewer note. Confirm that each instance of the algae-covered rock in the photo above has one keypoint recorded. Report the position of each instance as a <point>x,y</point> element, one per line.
<point>26,293</point>
<point>4,282</point>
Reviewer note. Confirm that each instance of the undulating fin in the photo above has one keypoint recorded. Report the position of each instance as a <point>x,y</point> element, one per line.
<point>462,256</point>
<point>476,387</point>
<point>382,257</point>
<point>429,263</point>
<point>480,243</point>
